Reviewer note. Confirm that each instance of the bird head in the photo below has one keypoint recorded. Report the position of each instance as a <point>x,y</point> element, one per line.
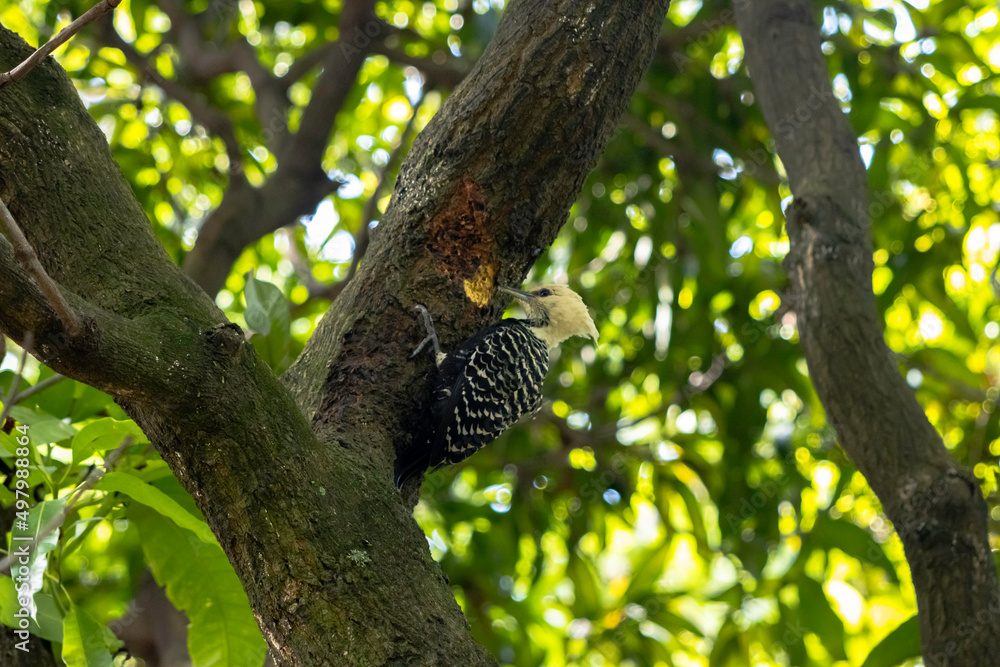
<point>555,312</point>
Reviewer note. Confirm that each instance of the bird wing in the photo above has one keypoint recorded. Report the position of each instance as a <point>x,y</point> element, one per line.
<point>498,382</point>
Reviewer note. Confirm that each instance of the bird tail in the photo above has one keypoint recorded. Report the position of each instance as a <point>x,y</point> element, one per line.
<point>411,462</point>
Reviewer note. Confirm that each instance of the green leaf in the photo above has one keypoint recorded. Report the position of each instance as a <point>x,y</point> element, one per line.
<point>268,315</point>
<point>200,581</point>
<point>586,582</point>
<point>25,415</point>
<point>791,631</point>
<point>48,618</point>
<point>694,511</point>
<point>153,498</point>
<point>89,401</point>
<point>949,365</point>
<point>901,644</point>
<point>102,435</point>
<point>7,444</point>
<point>43,427</point>
<point>8,602</point>
<point>646,575</point>
<point>47,622</point>
<point>674,622</point>
<point>83,641</point>
<point>728,649</point>
<point>29,533</point>
<point>852,540</point>
<point>57,400</point>
<point>266,305</point>
<point>979,102</point>
<point>816,614</point>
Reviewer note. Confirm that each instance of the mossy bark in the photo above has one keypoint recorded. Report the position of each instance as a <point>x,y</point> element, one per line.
<point>295,477</point>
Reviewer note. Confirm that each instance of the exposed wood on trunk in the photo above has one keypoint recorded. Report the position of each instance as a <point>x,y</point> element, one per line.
<point>297,485</point>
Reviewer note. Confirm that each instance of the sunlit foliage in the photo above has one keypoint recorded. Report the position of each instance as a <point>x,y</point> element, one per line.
<point>682,500</point>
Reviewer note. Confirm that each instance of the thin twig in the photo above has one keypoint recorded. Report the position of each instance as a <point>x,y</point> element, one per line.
<point>25,254</point>
<point>32,61</point>
<point>41,386</point>
<point>92,478</point>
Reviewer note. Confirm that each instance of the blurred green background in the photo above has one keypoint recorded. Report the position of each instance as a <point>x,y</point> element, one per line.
<point>681,501</point>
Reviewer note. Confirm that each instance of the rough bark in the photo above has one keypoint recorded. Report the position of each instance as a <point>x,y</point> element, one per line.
<point>936,505</point>
<point>38,653</point>
<point>297,483</point>
<point>483,191</point>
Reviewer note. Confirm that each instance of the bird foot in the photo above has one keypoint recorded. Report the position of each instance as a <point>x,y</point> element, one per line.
<point>431,334</point>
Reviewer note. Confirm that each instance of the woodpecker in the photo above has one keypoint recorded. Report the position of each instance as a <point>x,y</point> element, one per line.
<point>493,379</point>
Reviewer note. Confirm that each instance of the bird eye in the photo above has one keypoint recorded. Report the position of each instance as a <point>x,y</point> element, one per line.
<point>544,292</point>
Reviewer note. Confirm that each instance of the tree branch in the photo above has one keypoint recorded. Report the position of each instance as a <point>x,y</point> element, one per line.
<point>25,255</point>
<point>756,166</point>
<point>199,57</point>
<point>340,70</point>
<point>936,506</point>
<point>201,61</point>
<point>484,189</point>
<point>92,14</point>
<point>106,350</point>
<point>673,45</point>
<point>506,155</point>
<point>305,63</point>
<point>12,653</point>
<point>299,183</point>
<point>34,389</point>
<point>14,396</point>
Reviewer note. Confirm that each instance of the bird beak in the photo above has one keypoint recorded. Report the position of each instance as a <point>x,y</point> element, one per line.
<point>519,294</point>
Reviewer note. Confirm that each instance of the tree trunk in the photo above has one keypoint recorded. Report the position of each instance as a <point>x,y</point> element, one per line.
<point>935,505</point>
<point>18,652</point>
<point>297,483</point>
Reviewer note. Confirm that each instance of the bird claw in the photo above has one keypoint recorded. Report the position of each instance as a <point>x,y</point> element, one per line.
<point>431,334</point>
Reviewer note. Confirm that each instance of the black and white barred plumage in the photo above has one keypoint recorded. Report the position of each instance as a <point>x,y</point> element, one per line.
<point>494,379</point>
<point>482,389</point>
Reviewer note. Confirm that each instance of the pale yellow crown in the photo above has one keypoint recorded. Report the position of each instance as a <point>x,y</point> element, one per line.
<point>559,311</point>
